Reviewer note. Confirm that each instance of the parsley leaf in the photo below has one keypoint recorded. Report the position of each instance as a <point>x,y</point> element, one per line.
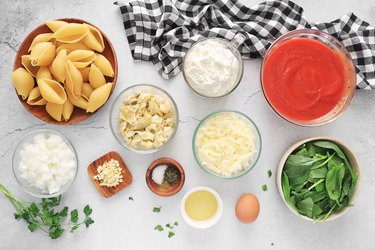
<point>156,209</point>
<point>74,216</point>
<point>87,210</point>
<point>269,173</point>
<point>159,228</point>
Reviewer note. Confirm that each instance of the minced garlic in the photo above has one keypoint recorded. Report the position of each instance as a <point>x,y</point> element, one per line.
<point>109,174</point>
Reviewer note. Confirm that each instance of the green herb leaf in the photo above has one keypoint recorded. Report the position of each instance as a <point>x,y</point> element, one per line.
<point>170,234</point>
<point>131,198</point>
<point>269,173</point>
<point>88,222</point>
<point>156,209</point>
<point>56,233</point>
<point>159,228</point>
<point>32,226</point>
<point>75,227</point>
<point>74,215</point>
<point>87,210</point>
<point>64,212</point>
<point>264,187</point>
<point>176,223</point>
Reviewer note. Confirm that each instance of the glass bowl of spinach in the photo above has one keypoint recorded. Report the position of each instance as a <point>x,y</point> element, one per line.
<point>318,178</point>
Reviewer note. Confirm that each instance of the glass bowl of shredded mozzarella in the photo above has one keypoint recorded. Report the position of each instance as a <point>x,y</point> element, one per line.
<point>45,163</point>
<point>227,144</point>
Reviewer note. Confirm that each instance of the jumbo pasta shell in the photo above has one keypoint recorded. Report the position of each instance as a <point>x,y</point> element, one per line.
<point>104,65</point>
<point>94,39</point>
<point>44,72</point>
<point>26,62</point>
<point>55,25</point>
<point>52,91</point>
<point>85,73</point>
<point>86,90</point>
<point>54,110</point>
<point>96,77</point>
<point>99,97</point>
<point>71,47</point>
<point>68,109</point>
<point>35,97</point>
<point>23,81</point>
<point>79,102</point>
<point>73,79</point>
<point>82,58</point>
<point>71,33</point>
<point>58,67</point>
<point>42,54</point>
<point>44,37</point>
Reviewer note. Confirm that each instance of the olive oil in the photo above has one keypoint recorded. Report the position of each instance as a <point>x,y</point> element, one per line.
<point>201,205</point>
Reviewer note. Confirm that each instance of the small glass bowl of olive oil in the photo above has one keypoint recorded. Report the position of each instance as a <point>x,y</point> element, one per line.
<point>201,207</point>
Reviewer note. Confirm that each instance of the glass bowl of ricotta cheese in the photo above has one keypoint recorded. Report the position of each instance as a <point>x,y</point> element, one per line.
<point>45,163</point>
<point>213,67</point>
<point>227,144</point>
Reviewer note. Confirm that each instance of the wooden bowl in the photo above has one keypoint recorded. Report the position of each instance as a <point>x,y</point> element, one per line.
<point>78,114</point>
<point>349,155</point>
<point>109,191</point>
<point>155,188</point>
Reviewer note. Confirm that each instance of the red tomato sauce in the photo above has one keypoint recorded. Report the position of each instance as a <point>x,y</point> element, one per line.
<point>303,79</point>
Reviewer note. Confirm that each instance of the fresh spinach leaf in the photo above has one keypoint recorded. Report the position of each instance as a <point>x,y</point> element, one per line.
<point>334,182</point>
<point>306,206</point>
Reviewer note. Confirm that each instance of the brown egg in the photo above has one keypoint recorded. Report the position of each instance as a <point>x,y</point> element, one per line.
<point>247,208</point>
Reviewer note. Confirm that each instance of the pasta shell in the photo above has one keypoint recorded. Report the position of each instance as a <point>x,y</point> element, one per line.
<point>79,102</point>
<point>55,25</point>
<point>44,72</point>
<point>58,66</point>
<point>35,98</point>
<point>23,81</point>
<point>86,90</point>
<point>52,91</point>
<point>42,54</point>
<point>85,73</point>
<point>94,39</point>
<point>73,79</point>
<point>82,58</point>
<point>96,77</point>
<point>33,70</point>
<point>71,33</point>
<point>67,111</point>
<point>44,37</point>
<point>104,65</point>
<point>99,97</point>
<point>54,110</point>
<point>71,47</point>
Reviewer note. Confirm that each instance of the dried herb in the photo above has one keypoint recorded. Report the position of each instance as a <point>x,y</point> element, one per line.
<point>156,209</point>
<point>264,187</point>
<point>269,173</point>
<point>172,176</point>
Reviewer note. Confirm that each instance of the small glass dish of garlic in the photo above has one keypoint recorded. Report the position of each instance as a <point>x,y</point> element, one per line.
<point>143,118</point>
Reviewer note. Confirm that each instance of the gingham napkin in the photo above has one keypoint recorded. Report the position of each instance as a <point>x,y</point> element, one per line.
<point>162,31</point>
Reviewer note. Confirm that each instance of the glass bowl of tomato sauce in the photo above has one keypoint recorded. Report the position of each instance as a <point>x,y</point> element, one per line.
<point>308,77</point>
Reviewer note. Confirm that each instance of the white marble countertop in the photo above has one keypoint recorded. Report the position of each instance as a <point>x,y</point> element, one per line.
<point>122,224</point>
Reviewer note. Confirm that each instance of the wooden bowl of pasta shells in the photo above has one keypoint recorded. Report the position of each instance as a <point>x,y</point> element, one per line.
<point>65,70</point>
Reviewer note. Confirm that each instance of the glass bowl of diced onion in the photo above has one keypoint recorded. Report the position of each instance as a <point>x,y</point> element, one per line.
<point>143,118</point>
<point>227,144</point>
<point>45,163</point>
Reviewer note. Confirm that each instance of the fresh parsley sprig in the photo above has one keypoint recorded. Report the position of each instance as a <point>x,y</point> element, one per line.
<point>45,216</point>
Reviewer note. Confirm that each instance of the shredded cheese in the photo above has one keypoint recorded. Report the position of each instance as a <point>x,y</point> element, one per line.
<point>225,144</point>
<point>109,174</point>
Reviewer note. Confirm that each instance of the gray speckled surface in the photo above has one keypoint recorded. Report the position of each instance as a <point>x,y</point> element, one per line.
<point>121,224</point>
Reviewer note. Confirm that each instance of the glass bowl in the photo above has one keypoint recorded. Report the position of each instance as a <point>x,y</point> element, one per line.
<point>258,144</point>
<point>29,138</point>
<point>350,75</point>
<point>228,45</point>
<point>115,112</point>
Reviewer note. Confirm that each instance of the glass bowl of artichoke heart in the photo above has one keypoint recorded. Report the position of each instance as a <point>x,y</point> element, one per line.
<point>143,118</point>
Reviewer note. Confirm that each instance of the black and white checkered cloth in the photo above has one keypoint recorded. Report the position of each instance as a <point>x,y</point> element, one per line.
<point>162,31</point>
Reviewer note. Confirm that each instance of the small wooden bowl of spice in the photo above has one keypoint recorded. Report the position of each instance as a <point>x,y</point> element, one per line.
<point>165,176</point>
